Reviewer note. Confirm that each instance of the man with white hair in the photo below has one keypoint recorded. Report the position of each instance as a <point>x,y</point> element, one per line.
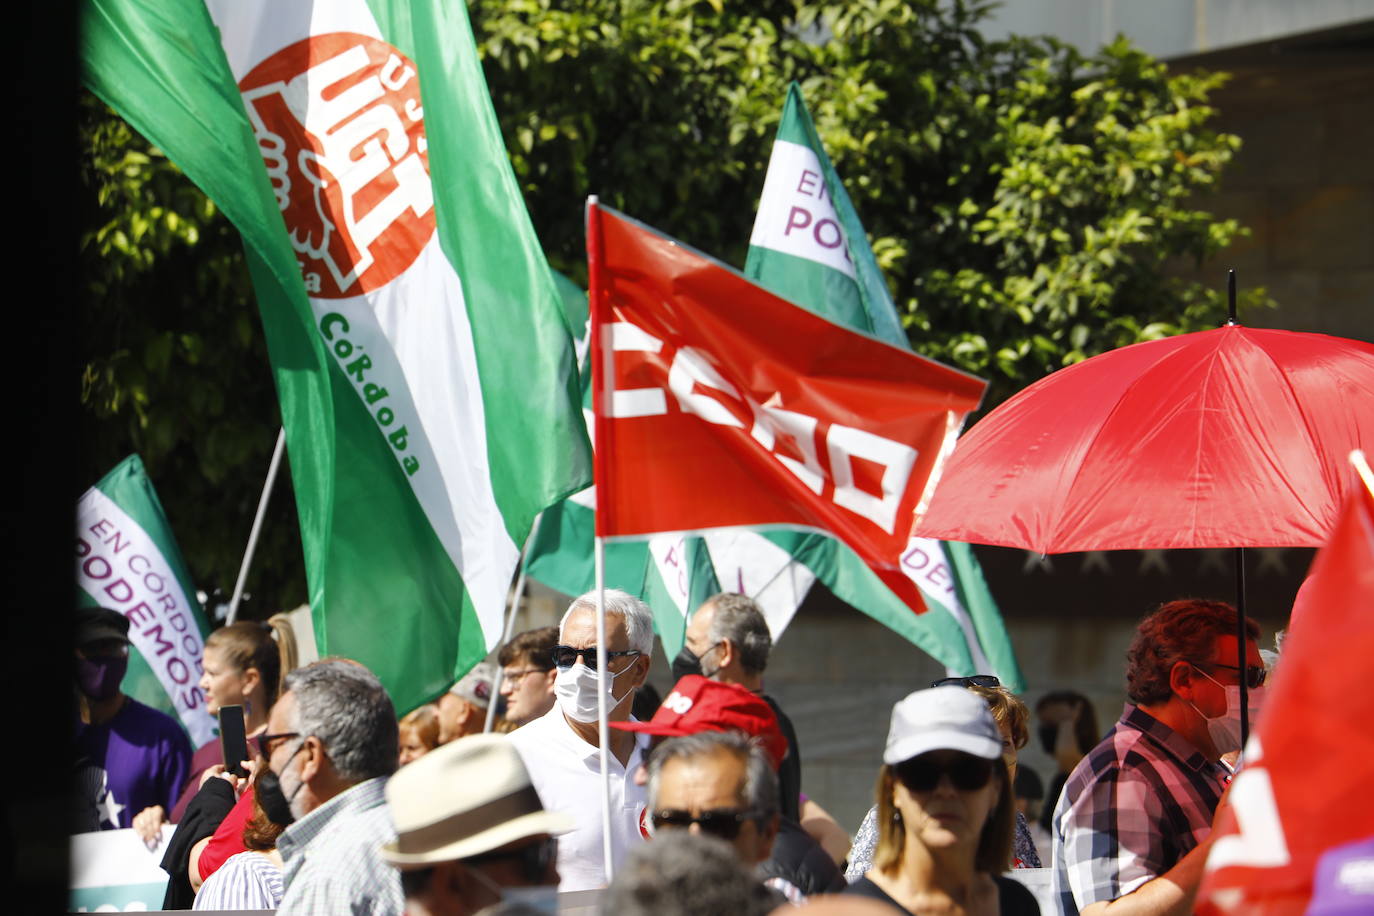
<point>561,749</point>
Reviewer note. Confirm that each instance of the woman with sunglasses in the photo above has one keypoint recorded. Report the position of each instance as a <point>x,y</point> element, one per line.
<point>1012,717</point>
<point>944,812</point>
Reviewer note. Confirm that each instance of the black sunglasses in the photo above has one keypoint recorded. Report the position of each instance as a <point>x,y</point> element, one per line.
<point>268,743</point>
<point>1254,674</point>
<point>724,823</point>
<point>533,858</point>
<point>977,680</point>
<point>565,657</point>
<point>966,772</point>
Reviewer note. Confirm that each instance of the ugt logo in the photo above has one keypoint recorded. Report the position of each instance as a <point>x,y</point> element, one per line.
<point>339,125</point>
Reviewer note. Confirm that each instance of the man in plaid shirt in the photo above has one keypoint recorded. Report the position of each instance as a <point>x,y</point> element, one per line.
<point>1131,827</point>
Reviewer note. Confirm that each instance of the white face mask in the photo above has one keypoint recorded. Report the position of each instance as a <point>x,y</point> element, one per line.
<point>1224,730</point>
<point>576,690</point>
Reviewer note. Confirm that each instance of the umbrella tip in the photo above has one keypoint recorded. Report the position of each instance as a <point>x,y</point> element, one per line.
<point>1230,296</point>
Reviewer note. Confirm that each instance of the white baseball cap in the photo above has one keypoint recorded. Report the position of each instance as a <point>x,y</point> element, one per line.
<point>939,719</point>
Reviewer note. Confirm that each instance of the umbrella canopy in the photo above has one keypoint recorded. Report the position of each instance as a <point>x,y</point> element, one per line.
<point>1235,437</point>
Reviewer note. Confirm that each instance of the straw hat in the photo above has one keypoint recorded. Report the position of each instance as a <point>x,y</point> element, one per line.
<point>465,798</point>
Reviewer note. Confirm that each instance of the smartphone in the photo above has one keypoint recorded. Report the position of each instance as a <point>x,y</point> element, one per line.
<point>233,743</point>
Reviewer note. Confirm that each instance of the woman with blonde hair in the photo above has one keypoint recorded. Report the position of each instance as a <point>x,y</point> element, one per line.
<point>419,732</point>
<point>944,812</point>
<point>243,665</point>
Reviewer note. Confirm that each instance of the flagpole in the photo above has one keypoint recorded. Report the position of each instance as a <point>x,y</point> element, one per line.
<point>602,726</point>
<point>601,394</point>
<point>257,526</point>
<point>506,631</point>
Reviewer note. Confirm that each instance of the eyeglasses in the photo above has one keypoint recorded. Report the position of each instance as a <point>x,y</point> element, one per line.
<point>533,858</point>
<point>565,657</point>
<point>724,823</point>
<point>269,743</point>
<point>977,680</point>
<point>513,676</point>
<point>1254,674</point>
<point>966,772</point>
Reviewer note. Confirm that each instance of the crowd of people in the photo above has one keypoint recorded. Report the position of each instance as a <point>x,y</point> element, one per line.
<point>491,799</point>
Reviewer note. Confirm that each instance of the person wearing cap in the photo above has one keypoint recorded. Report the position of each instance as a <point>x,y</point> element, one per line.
<point>944,811</point>
<point>561,749</point>
<point>463,710</point>
<point>132,756</point>
<point>793,862</point>
<point>1132,827</point>
<point>471,830</point>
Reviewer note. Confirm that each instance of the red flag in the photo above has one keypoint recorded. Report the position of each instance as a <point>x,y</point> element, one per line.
<point>1305,788</point>
<point>719,404</point>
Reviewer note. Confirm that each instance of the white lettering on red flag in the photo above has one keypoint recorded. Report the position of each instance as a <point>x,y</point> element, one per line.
<point>722,405</point>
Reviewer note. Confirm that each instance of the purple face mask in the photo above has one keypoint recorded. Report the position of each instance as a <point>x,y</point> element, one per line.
<point>99,677</point>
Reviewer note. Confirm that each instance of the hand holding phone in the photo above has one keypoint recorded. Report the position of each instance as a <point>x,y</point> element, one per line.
<point>233,741</point>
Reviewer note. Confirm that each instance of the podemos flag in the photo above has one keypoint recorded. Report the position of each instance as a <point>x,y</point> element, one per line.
<point>127,560</point>
<point>808,246</point>
<point>720,405</point>
<point>422,360</point>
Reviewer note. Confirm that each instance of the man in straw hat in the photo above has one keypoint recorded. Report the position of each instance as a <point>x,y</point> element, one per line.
<point>471,830</point>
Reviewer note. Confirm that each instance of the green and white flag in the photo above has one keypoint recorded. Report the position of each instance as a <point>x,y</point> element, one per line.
<point>422,359</point>
<point>127,560</point>
<point>809,246</point>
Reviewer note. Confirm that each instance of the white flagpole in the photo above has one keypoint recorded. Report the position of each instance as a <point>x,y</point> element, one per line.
<point>506,631</point>
<point>601,398</point>
<point>602,726</point>
<point>257,526</point>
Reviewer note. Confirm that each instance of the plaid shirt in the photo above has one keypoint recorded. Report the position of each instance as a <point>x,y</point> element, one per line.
<point>332,858</point>
<point>1130,810</point>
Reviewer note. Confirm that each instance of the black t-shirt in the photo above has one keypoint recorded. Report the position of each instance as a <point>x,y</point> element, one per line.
<point>789,774</point>
<point>1012,897</point>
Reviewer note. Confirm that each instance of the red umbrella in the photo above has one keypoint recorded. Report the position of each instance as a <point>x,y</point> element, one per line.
<point>1235,437</point>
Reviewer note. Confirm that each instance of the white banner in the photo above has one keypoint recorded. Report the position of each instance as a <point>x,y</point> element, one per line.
<point>121,567</point>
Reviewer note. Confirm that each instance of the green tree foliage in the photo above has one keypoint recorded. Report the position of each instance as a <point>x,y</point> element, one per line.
<point>1024,201</point>
<point>175,367</point>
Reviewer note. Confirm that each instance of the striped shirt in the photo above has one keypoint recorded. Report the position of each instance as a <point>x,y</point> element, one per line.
<point>247,881</point>
<point>1140,800</point>
<point>332,857</point>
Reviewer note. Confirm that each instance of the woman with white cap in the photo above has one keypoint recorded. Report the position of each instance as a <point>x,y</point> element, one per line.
<point>945,811</point>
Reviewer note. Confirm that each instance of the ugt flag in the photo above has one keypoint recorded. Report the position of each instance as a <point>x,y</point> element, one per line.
<point>1297,833</point>
<point>808,246</point>
<point>127,560</point>
<point>720,405</point>
<point>422,361</point>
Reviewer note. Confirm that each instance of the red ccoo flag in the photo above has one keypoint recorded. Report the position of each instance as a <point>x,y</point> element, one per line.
<point>719,404</point>
<point>1291,836</point>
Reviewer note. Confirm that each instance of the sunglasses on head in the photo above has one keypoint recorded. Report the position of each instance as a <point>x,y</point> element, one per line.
<point>1254,674</point>
<point>966,772</point>
<point>533,859</point>
<point>565,657</point>
<point>724,823</point>
<point>977,680</point>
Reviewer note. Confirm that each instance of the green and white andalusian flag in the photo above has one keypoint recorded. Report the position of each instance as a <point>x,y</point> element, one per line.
<point>809,246</point>
<point>127,560</point>
<point>423,364</point>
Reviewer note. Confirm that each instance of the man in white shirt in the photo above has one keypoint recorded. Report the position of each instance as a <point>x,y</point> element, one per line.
<point>561,748</point>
